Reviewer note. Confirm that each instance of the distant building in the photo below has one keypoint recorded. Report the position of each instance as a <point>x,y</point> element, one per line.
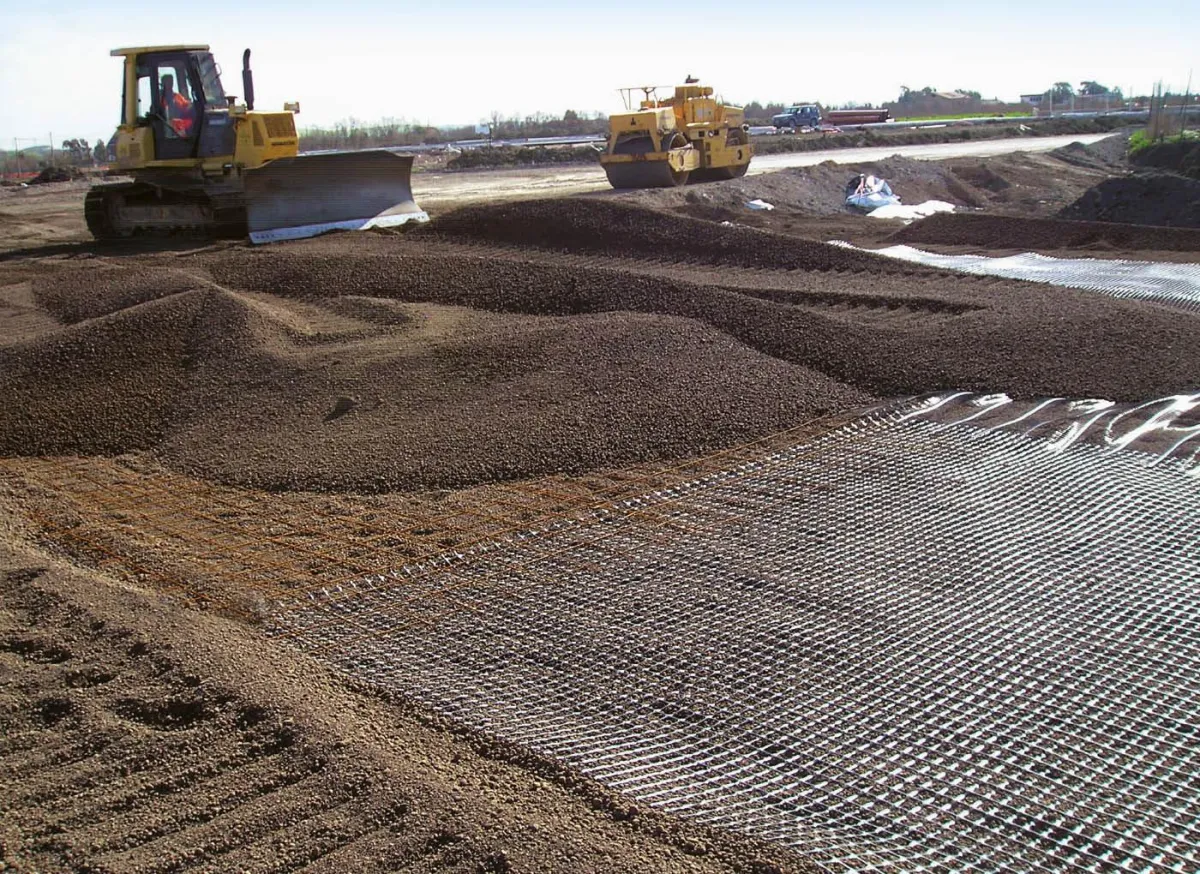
<point>1032,99</point>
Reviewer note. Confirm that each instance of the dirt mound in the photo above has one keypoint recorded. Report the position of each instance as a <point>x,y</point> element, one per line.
<point>1029,234</point>
<point>1107,154</point>
<point>606,227</point>
<point>107,385</point>
<point>111,287</point>
<point>1179,156</point>
<point>1144,198</point>
<point>817,190</point>
<point>56,174</point>
<point>1029,184</point>
<point>463,397</point>
<point>457,395</point>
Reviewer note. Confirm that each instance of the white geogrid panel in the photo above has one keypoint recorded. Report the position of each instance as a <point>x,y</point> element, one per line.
<point>912,644</point>
<point>1175,284</point>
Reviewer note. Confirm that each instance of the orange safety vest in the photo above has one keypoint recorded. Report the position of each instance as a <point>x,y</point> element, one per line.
<point>183,124</point>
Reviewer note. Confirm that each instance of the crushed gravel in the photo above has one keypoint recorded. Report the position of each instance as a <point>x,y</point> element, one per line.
<point>531,339</point>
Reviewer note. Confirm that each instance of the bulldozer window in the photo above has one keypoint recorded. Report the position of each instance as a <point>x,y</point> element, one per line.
<point>176,100</point>
<point>145,96</point>
<point>210,80</point>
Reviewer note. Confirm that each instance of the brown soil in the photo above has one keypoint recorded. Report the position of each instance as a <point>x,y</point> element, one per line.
<point>141,738</point>
<point>530,362</point>
<point>1030,234</point>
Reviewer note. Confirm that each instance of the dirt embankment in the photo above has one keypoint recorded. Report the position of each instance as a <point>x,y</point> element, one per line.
<point>1145,198</point>
<point>526,339</point>
<point>1177,156</point>
<point>950,133</point>
<point>770,144</point>
<point>1017,184</point>
<point>521,156</point>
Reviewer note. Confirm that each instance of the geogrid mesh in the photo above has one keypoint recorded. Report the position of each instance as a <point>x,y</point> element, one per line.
<point>1175,284</point>
<point>917,642</point>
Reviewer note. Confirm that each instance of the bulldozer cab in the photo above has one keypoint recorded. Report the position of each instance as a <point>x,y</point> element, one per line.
<point>177,94</point>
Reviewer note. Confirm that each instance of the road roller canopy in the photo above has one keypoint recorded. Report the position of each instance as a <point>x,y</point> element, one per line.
<point>145,50</point>
<point>651,99</point>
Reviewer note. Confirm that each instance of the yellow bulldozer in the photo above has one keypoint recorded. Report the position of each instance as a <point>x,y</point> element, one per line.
<point>688,137</point>
<point>203,164</point>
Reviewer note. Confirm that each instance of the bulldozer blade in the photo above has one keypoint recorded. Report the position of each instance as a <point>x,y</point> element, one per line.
<point>644,174</point>
<point>292,198</point>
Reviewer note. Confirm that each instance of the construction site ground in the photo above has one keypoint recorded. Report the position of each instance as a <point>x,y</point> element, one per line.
<point>192,433</point>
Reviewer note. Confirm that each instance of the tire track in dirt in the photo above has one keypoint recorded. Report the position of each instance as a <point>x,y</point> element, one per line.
<point>170,759</point>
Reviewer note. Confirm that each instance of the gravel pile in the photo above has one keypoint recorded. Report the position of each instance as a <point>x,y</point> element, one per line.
<point>606,227</point>
<point>375,362</point>
<point>1106,154</point>
<point>1145,198</point>
<point>1008,232</point>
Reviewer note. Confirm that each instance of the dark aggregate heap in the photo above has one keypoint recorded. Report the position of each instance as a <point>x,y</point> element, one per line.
<point>624,230</point>
<point>1007,232</point>
<point>1145,198</point>
<point>1177,155</point>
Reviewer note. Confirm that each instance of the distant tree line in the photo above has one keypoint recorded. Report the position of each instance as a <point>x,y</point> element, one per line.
<point>355,134</point>
<point>72,153</point>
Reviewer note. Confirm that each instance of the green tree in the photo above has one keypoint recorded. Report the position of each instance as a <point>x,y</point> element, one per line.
<point>1093,89</point>
<point>1062,91</point>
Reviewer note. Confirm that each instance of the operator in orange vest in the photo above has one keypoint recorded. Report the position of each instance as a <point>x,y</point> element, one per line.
<point>177,108</point>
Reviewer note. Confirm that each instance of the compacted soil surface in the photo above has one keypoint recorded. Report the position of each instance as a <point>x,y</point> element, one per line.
<point>191,430</point>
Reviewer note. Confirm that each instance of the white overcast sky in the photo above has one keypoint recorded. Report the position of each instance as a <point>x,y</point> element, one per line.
<point>456,62</point>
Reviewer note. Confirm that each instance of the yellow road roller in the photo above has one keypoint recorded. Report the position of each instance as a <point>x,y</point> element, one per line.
<point>664,142</point>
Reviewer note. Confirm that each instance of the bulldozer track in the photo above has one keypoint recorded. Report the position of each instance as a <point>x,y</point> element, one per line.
<point>197,773</point>
<point>226,213</point>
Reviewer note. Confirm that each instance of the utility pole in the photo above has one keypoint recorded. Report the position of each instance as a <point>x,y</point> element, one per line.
<point>1187,94</point>
<point>17,149</point>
